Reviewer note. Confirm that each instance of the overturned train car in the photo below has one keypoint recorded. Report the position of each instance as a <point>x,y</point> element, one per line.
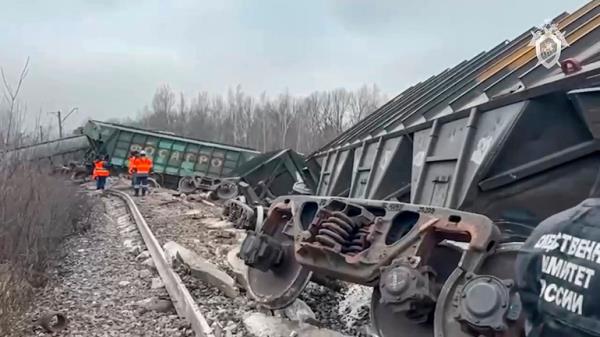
<point>268,175</point>
<point>174,157</point>
<point>253,186</point>
<point>429,199</point>
<point>194,165</point>
<point>479,182</point>
<point>515,161</point>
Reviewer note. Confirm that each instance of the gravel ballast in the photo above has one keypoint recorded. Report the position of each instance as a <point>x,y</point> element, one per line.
<point>101,287</point>
<point>198,227</point>
<point>106,284</point>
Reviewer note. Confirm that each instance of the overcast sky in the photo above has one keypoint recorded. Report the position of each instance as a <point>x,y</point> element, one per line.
<point>108,56</point>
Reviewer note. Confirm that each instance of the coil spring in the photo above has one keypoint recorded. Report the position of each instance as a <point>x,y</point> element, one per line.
<point>359,241</point>
<point>342,234</point>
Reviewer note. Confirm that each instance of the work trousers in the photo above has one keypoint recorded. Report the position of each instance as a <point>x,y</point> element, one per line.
<point>133,179</point>
<point>100,183</point>
<point>141,181</point>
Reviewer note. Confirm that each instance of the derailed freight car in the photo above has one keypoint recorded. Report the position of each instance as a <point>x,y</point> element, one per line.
<point>512,163</point>
<point>275,173</point>
<point>174,156</point>
<point>520,159</point>
<point>263,179</point>
<point>55,153</point>
<point>429,199</point>
<point>268,175</point>
<point>431,146</point>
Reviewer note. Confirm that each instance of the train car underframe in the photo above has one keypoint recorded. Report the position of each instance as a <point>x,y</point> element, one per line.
<point>433,270</point>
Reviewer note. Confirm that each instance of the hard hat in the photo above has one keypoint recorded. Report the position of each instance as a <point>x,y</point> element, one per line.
<point>142,153</point>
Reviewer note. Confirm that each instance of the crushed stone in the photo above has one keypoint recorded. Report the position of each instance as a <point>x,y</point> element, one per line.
<point>97,286</point>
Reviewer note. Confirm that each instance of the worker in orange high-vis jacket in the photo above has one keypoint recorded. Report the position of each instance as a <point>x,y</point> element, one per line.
<point>143,167</point>
<point>131,166</point>
<point>100,173</point>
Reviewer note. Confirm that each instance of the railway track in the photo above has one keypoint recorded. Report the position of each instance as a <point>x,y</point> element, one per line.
<point>181,298</point>
<point>105,283</point>
<point>200,230</point>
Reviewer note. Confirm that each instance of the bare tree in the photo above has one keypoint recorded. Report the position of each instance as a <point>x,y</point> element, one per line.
<point>38,128</point>
<point>284,112</point>
<point>363,102</point>
<point>180,118</point>
<point>162,108</point>
<point>262,115</point>
<point>266,123</point>
<point>247,118</point>
<point>13,114</point>
<point>199,124</point>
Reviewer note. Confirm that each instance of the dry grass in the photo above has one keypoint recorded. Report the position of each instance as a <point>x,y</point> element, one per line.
<point>37,211</point>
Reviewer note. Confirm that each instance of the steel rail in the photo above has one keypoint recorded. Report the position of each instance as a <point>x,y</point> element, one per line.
<point>182,299</point>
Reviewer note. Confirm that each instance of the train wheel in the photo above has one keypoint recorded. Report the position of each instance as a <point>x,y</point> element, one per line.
<point>186,185</point>
<point>153,183</point>
<point>227,190</point>
<point>484,303</point>
<point>388,323</point>
<point>281,283</point>
<point>408,302</point>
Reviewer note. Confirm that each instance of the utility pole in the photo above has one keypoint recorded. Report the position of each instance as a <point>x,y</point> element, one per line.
<point>62,120</point>
<point>57,113</point>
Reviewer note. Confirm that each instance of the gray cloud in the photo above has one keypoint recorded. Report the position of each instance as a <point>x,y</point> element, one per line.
<point>368,16</point>
<point>107,57</point>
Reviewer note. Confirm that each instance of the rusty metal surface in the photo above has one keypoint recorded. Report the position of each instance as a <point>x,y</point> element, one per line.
<point>283,282</point>
<point>351,239</point>
<point>477,299</point>
<point>406,297</point>
<point>417,258</point>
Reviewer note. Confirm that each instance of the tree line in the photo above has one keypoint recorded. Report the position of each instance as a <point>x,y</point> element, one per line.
<point>264,122</point>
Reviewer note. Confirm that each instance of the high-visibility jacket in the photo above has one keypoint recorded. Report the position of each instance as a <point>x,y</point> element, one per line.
<point>143,165</point>
<point>99,169</point>
<point>131,164</point>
